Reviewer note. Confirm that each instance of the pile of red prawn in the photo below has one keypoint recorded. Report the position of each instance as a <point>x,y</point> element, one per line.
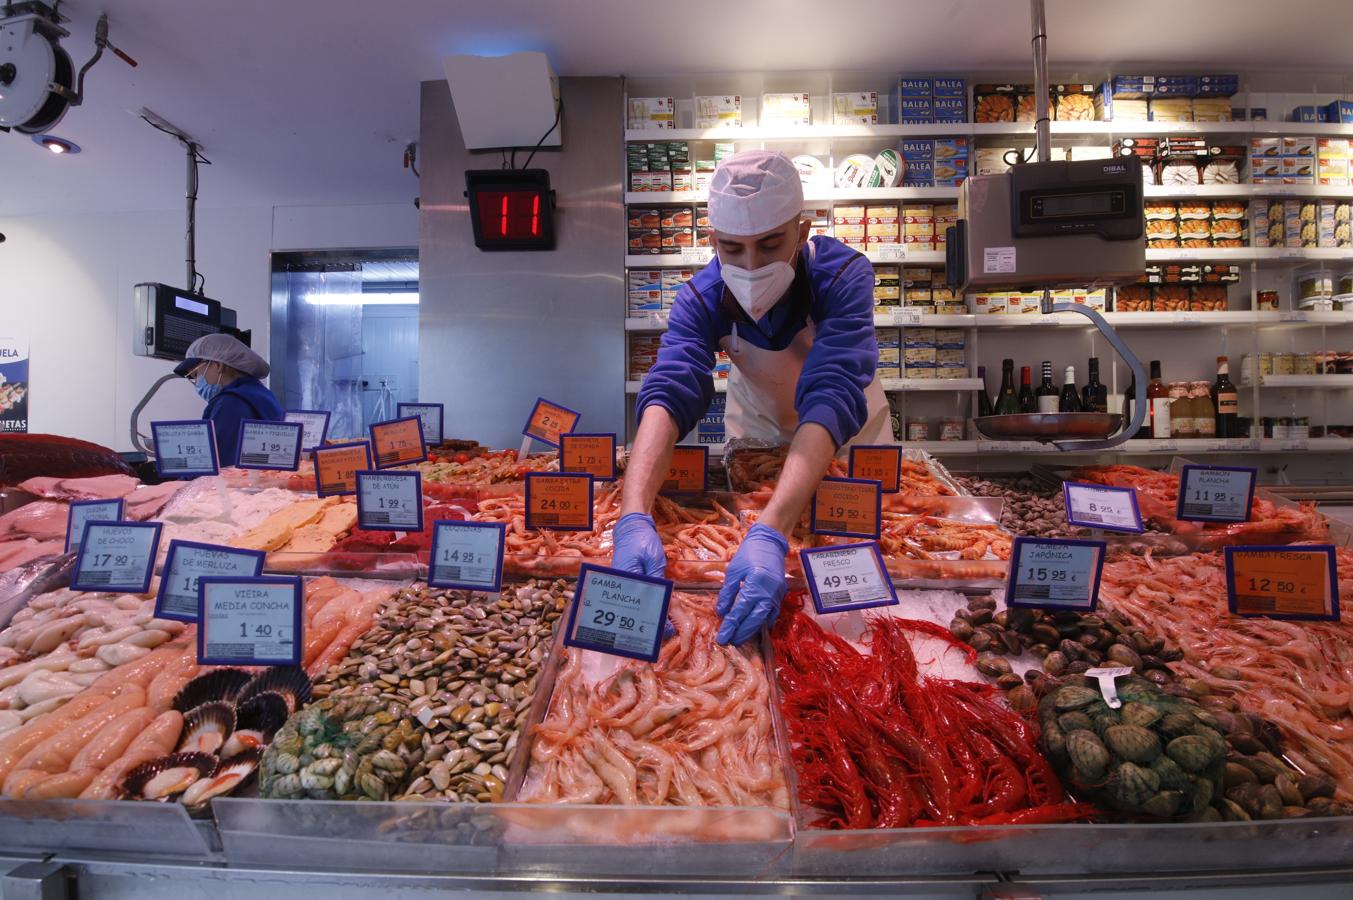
<point>876,745</point>
<point>1158,499</point>
<point>693,729</point>
<point>755,472</point>
<point>1297,674</point>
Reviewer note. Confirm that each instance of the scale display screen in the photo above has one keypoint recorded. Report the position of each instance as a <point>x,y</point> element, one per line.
<point>168,319</point>
<point>1064,205</point>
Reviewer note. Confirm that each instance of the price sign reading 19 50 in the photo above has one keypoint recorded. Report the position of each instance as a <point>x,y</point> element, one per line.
<point>1289,582</point>
<point>561,502</point>
<point>1054,572</point>
<point>848,507</point>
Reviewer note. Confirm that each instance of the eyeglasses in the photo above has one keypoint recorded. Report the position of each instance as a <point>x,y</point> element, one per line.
<point>197,373</point>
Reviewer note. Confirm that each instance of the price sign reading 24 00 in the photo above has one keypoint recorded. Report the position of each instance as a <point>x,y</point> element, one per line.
<point>561,502</point>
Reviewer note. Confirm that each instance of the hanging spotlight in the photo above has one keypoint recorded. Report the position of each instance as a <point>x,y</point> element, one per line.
<point>55,144</point>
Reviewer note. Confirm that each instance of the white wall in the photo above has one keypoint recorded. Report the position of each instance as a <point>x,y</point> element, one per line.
<point>69,279</point>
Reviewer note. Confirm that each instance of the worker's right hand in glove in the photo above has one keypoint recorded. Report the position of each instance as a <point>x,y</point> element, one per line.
<point>638,549</point>
<point>753,585</point>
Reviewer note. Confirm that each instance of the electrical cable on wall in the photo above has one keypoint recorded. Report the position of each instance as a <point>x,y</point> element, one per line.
<point>197,282</point>
<point>558,114</point>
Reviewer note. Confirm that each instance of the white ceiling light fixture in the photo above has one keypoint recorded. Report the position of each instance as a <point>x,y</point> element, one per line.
<point>367,298</point>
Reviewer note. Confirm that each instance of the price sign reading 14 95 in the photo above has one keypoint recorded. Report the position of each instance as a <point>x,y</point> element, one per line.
<point>467,555</point>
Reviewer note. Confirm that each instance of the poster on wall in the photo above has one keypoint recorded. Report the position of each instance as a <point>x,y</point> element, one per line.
<point>13,381</point>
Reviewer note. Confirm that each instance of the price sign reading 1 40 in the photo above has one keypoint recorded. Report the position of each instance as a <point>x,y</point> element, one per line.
<point>1215,493</point>
<point>1290,582</point>
<point>852,576</point>
<point>1051,572</point>
<point>618,613</point>
<point>249,621</point>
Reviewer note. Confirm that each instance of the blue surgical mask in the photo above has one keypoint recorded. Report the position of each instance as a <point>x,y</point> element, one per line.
<point>206,390</point>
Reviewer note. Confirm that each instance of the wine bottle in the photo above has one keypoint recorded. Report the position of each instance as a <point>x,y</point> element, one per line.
<point>1026,392</point>
<point>983,400</point>
<point>1046,395</point>
<point>1226,399</point>
<point>1007,401</point>
<point>1070,401</point>
<point>1094,396</point>
<point>1158,396</point>
<point>1129,399</point>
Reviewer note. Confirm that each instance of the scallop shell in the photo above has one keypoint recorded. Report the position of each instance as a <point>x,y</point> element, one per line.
<point>221,684</point>
<point>163,778</point>
<point>206,727</point>
<point>289,681</point>
<point>229,775</point>
<point>257,720</point>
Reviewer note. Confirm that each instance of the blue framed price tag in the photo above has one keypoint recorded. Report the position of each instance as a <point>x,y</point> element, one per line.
<point>467,555</point>
<point>851,576</point>
<point>432,416</point>
<point>1299,581</point>
<point>185,448</point>
<point>270,445</point>
<point>559,501</point>
<point>879,463</point>
<point>590,453</point>
<point>550,420</point>
<point>116,556</point>
<point>1102,507</point>
<point>187,562</point>
<point>1055,572</point>
<point>848,507</point>
<point>249,621</point>
<point>618,613</point>
<point>314,426</point>
<point>1216,493</point>
<point>337,465</point>
<point>398,442</point>
<point>389,501</point>
<point>82,512</point>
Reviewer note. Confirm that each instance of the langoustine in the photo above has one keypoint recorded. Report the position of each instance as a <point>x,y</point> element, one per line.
<point>877,745</point>
<point>1298,675</point>
<point>693,729</point>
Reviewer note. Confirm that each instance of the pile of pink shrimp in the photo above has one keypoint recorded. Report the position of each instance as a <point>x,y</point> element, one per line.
<point>1297,674</point>
<point>693,729</point>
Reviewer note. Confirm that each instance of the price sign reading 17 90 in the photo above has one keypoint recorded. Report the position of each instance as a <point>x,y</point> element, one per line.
<point>1052,572</point>
<point>1290,582</point>
<point>560,502</point>
<point>848,507</point>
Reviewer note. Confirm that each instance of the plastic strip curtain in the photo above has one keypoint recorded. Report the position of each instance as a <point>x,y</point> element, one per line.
<point>324,348</point>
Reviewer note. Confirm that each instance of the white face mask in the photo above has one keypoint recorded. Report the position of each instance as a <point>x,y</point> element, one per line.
<point>757,290</point>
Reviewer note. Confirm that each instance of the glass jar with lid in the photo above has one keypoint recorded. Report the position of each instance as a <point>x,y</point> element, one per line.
<point>1204,413</point>
<point>1182,424</point>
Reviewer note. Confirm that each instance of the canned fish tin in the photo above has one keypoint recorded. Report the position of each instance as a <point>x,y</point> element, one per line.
<point>1306,364</point>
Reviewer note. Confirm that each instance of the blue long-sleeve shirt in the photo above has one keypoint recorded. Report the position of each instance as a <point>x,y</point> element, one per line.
<point>835,291</point>
<point>244,398</point>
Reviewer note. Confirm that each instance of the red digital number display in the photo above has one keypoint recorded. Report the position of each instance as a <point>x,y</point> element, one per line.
<point>509,215</point>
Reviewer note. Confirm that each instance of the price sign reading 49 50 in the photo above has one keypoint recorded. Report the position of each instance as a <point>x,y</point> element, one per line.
<point>560,502</point>
<point>852,576</point>
<point>1053,572</point>
<point>1293,582</point>
<point>848,507</point>
<point>550,420</point>
<point>619,613</point>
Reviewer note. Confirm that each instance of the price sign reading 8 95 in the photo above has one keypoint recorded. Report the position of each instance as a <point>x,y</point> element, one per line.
<point>1099,506</point>
<point>467,555</point>
<point>1054,572</point>
<point>619,613</point>
<point>852,576</point>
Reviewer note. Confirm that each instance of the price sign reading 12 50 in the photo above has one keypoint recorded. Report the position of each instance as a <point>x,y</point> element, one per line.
<point>1289,582</point>
<point>1052,572</point>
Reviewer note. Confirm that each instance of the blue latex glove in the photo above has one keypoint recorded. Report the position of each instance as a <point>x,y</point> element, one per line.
<point>753,586</point>
<point>638,549</point>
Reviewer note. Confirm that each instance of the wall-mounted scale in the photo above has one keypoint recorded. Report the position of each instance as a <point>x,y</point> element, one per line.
<point>1053,225</point>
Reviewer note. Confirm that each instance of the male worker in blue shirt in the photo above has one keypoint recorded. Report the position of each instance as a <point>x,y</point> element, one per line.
<point>226,374</point>
<point>796,318</point>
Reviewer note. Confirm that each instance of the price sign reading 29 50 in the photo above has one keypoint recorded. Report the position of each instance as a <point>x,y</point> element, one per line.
<point>619,613</point>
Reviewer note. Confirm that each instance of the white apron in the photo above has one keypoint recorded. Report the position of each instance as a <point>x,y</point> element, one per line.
<point>761,388</point>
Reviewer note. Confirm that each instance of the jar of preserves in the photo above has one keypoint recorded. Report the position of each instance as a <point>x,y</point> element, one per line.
<point>1284,364</point>
<point>918,429</point>
<point>951,428</point>
<point>1182,424</point>
<point>1306,364</point>
<point>1268,301</point>
<point>1204,413</point>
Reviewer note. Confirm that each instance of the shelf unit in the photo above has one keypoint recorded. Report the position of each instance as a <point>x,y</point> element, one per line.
<point>1186,341</point>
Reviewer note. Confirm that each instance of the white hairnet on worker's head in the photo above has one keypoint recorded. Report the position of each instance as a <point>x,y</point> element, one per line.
<point>754,191</point>
<point>226,350</point>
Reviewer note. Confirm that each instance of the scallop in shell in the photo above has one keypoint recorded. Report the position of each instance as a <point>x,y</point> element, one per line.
<point>289,681</point>
<point>221,684</point>
<point>206,727</point>
<point>229,774</point>
<point>257,720</point>
<point>163,778</point>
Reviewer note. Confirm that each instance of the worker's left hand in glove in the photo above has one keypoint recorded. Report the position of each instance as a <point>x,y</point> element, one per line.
<point>753,586</point>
